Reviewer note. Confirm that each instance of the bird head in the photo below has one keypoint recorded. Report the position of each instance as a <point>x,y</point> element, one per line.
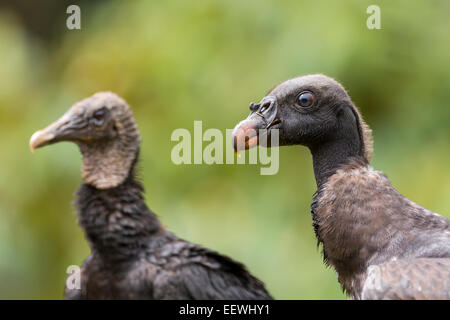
<point>307,110</point>
<point>104,128</point>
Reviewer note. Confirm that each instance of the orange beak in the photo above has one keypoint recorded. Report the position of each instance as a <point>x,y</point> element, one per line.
<point>245,134</point>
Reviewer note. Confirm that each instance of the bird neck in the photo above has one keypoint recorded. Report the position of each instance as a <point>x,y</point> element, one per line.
<point>340,147</point>
<point>327,159</point>
<point>107,164</point>
<point>116,221</point>
<point>329,156</point>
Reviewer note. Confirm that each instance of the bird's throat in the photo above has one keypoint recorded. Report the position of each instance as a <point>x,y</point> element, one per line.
<point>116,221</point>
<point>107,164</point>
<point>328,157</point>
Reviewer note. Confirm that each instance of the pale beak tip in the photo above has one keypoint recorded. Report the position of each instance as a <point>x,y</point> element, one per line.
<point>33,141</point>
<point>40,138</point>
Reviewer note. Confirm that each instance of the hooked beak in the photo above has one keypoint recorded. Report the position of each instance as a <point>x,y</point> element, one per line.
<point>58,131</point>
<point>246,134</point>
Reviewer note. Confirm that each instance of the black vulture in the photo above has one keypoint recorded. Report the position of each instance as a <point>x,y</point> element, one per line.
<point>382,245</point>
<point>132,255</point>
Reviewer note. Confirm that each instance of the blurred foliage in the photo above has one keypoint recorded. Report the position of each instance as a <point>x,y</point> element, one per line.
<point>179,61</point>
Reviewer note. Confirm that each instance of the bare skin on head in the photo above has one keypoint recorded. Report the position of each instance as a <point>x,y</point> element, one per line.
<point>104,129</point>
<point>368,230</point>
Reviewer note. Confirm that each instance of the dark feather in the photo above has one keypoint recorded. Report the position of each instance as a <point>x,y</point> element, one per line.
<point>134,257</point>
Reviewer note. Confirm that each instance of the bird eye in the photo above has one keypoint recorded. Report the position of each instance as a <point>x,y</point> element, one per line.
<point>99,116</point>
<point>305,99</point>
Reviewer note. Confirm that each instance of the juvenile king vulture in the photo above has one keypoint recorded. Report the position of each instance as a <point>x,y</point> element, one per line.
<point>382,245</point>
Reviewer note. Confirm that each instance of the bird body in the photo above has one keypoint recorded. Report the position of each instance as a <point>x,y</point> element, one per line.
<point>132,255</point>
<point>135,257</point>
<point>362,222</point>
<point>382,245</point>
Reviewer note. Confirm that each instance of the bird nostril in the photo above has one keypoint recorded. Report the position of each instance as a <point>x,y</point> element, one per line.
<point>265,106</point>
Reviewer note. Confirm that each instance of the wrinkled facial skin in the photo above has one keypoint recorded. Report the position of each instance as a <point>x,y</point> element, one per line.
<point>280,109</point>
<point>87,121</point>
<point>104,129</point>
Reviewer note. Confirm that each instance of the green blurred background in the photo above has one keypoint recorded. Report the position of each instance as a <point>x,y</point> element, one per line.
<point>180,61</point>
